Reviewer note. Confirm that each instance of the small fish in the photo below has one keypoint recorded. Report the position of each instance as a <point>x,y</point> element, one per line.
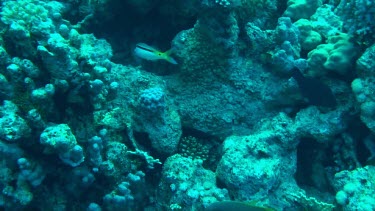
<point>235,206</point>
<point>315,91</point>
<point>147,52</point>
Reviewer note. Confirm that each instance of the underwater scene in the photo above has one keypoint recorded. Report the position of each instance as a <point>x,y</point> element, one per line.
<point>191,105</point>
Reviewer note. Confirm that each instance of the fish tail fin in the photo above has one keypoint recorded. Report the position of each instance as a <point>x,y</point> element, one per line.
<point>169,52</point>
<point>171,60</point>
<point>168,56</point>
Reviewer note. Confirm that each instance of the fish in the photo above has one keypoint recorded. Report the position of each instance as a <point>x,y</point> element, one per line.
<point>316,92</point>
<point>235,206</point>
<point>147,52</point>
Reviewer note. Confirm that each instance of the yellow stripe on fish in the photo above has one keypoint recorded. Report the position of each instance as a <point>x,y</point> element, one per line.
<point>147,52</point>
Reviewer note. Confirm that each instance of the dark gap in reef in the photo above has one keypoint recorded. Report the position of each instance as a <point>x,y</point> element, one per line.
<point>128,25</point>
<point>312,159</point>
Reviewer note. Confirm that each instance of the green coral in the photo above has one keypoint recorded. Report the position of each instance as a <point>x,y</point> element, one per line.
<point>193,148</point>
<point>201,57</point>
<point>298,9</point>
<point>309,38</point>
<point>24,12</point>
<point>28,13</point>
<point>336,55</point>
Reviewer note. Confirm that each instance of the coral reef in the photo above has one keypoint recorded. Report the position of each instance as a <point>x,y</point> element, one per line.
<point>87,124</point>
<point>185,183</point>
<point>355,188</point>
<point>358,16</point>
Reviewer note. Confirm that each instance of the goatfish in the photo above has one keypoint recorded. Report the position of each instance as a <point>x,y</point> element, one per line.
<point>235,206</point>
<point>147,52</point>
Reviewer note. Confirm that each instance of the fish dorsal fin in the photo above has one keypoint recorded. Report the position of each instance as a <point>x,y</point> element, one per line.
<point>146,47</point>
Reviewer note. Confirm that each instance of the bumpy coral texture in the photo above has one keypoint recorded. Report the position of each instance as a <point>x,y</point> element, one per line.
<point>359,16</point>
<point>91,127</point>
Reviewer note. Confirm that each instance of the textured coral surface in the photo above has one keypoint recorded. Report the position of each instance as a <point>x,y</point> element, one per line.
<point>187,105</point>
